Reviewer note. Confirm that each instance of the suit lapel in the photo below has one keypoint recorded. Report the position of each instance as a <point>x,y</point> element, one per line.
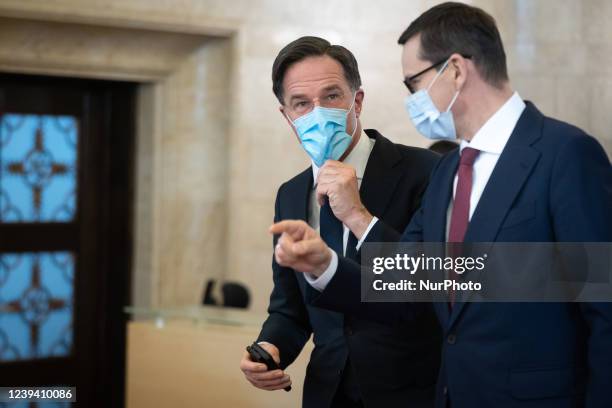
<point>509,175</point>
<point>378,183</point>
<point>379,179</point>
<point>512,170</point>
<point>300,195</point>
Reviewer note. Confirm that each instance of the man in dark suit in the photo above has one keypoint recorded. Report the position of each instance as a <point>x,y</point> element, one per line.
<point>518,176</point>
<point>355,363</point>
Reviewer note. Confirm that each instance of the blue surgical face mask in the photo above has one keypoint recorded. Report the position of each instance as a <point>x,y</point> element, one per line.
<point>428,120</point>
<point>322,132</point>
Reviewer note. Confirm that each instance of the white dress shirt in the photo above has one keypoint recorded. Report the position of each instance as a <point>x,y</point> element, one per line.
<point>358,159</point>
<point>490,139</point>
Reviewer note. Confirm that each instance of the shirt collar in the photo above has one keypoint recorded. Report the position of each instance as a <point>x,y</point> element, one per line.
<point>357,158</point>
<point>494,134</point>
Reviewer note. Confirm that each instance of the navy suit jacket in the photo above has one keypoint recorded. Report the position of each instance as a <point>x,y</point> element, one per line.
<point>552,183</point>
<point>394,366</point>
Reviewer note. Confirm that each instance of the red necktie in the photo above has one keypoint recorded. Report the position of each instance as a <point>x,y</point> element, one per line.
<point>461,204</point>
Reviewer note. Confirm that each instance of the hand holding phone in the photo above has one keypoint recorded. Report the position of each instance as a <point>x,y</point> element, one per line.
<point>260,355</point>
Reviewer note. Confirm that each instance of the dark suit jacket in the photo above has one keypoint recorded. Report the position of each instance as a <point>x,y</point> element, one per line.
<point>552,183</point>
<point>395,367</point>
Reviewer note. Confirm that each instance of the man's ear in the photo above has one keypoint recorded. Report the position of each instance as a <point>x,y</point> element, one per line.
<point>460,70</point>
<point>359,95</point>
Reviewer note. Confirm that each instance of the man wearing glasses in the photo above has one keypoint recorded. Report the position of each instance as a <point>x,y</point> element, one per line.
<point>355,179</point>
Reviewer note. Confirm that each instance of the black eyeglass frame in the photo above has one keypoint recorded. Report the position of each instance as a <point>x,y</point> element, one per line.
<point>407,81</point>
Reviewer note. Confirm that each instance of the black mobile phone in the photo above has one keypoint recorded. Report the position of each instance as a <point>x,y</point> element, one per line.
<point>260,355</point>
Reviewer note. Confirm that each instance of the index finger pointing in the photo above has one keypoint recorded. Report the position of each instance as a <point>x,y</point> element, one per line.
<point>291,227</point>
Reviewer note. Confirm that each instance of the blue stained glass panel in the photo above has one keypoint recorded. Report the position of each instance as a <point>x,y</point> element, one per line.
<point>36,303</point>
<point>38,168</point>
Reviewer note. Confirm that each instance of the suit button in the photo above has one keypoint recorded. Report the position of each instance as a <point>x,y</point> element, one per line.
<point>451,339</point>
<point>445,390</point>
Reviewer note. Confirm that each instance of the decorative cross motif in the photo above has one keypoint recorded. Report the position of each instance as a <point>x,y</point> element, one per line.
<point>34,306</point>
<point>38,169</point>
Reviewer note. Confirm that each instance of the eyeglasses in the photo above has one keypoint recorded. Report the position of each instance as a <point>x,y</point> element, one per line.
<point>408,81</point>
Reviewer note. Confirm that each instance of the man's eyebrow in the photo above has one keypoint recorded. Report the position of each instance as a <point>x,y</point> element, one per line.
<point>332,88</point>
<point>297,96</point>
<point>326,89</point>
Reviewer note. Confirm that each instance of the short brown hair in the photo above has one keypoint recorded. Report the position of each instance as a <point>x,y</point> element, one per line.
<point>458,28</point>
<point>305,47</point>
